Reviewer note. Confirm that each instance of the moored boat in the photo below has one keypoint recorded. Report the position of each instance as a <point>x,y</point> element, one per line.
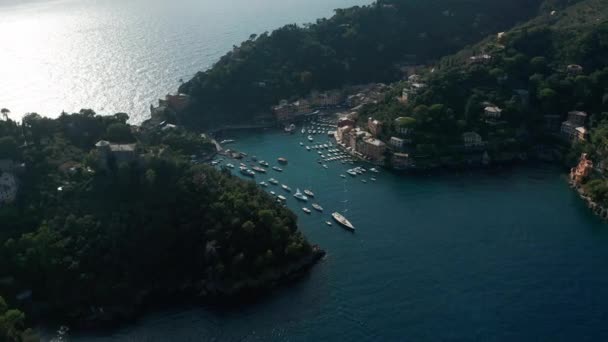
<point>343,221</point>
<point>264,184</point>
<point>263,163</point>
<point>328,223</point>
<point>282,161</point>
<point>273,181</point>
<point>276,168</point>
<point>309,193</point>
<point>317,207</point>
<point>286,188</point>
<point>306,210</point>
<point>258,169</point>
<point>310,138</point>
<point>300,196</point>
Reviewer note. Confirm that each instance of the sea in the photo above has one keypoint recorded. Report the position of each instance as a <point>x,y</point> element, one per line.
<point>499,254</point>
<point>121,56</point>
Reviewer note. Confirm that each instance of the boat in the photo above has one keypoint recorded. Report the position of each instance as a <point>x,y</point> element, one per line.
<point>343,221</point>
<point>343,176</point>
<point>317,207</point>
<point>329,223</point>
<point>307,148</point>
<point>352,173</point>
<point>325,166</point>
<point>273,193</point>
<point>374,170</point>
<point>264,184</point>
<point>273,181</point>
<point>227,141</point>
<point>263,163</point>
<point>230,166</point>
<point>282,198</point>
<point>306,210</point>
<point>300,196</point>
<point>290,129</point>
<point>303,130</point>
<point>363,181</point>
<point>310,138</point>
<point>276,168</point>
<point>247,172</point>
<point>282,161</point>
<point>301,143</point>
<point>373,179</point>
<point>309,193</point>
<point>286,188</point>
<point>258,169</point>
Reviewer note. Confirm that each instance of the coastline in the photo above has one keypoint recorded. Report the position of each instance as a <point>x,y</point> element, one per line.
<point>195,291</point>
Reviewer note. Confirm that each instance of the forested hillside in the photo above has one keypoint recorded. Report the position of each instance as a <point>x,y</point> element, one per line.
<point>356,45</point>
<point>99,229</point>
<point>526,74</point>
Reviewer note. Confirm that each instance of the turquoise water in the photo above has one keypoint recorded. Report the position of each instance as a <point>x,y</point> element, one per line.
<point>122,55</point>
<point>507,255</point>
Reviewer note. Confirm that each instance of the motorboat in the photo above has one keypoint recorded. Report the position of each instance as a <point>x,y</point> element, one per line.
<point>286,188</point>
<point>273,181</point>
<point>343,221</point>
<point>309,193</point>
<point>300,196</point>
<point>317,207</point>
<point>276,168</point>
<point>306,210</point>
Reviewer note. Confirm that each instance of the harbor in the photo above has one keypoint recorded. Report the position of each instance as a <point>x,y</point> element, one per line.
<point>323,196</point>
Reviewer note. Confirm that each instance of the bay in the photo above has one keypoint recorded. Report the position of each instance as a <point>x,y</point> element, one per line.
<point>504,255</point>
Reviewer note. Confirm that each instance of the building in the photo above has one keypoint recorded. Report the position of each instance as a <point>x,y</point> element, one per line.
<point>574,69</point>
<point>121,153</point>
<point>397,142</point>
<point>283,112</point>
<point>472,140</point>
<point>582,170</point>
<point>328,99</point>
<point>345,121</point>
<point>577,118</point>
<point>8,188</point>
<point>574,128</point>
<point>401,161</point>
<point>492,112</point>
<point>372,148</point>
<point>177,102</point>
<point>374,126</point>
<point>342,133</point>
<point>403,125</point>
<point>480,59</point>
<point>572,132</point>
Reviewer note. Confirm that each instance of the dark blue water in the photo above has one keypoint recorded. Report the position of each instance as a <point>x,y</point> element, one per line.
<point>512,255</point>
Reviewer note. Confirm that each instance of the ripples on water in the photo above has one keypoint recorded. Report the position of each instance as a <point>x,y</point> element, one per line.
<point>120,56</point>
<point>507,255</point>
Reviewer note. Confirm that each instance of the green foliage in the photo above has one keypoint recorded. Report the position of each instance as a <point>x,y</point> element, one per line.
<point>357,45</point>
<point>8,148</point>
<point>113,234</point>
<point>12,325</point>
<point>119,133</point>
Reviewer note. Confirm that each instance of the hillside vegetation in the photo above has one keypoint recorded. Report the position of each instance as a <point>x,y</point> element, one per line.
<point>356,45</point>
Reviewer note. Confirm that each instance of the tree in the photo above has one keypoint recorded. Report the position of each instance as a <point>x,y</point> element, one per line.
<point>8,148</point>
<point>5,112</point>
<point>119,133</point>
